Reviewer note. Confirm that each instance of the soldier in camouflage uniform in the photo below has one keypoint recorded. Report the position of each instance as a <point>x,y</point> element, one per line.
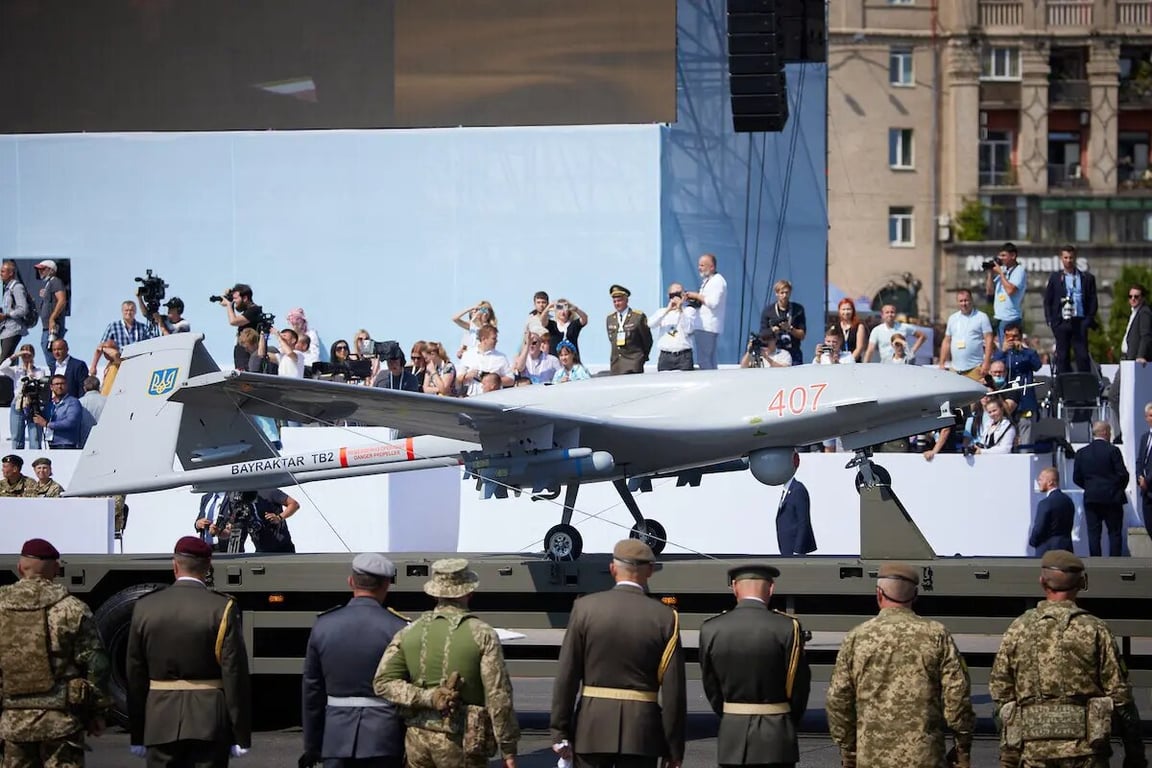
<point>450,726</point>
<point>14,482</point>
<point>53,668</point>
<point>1058,681</point>
<point>44,486</point>
<point>899,682</point>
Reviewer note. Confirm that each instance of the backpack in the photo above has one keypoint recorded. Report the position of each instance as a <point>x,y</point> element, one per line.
<point>30,317</point>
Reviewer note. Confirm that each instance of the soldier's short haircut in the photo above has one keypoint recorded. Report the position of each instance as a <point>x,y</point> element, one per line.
<point>368,581</point>
<point>38,567</point>
<point>198,566</point>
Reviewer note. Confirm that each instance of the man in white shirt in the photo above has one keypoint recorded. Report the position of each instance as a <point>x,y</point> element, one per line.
<point>535,361</point>
<point>676,325</point>
<point>880,339</point>
<point>709,302</point>
<point>485,358</point>
<point>831,351</point>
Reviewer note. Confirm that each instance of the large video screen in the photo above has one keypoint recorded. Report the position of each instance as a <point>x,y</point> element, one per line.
<point>210,65</point>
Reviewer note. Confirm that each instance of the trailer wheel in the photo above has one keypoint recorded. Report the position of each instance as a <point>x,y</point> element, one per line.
<point>114,619</point>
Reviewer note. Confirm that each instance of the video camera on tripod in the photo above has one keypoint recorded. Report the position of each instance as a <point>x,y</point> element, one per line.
<point>34,394</point>
<point>151,292</point>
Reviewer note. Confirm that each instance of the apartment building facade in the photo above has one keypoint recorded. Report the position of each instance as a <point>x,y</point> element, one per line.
<point>1040,110</point>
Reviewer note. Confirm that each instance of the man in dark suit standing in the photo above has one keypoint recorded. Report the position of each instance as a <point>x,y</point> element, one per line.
<point>1070,310</point>
<point>755,674</point>
<point>1099,469</point>
<point>628,334</point>
<point>1052,528</point>
<point>62,364</point>
<point>625,649</point>
<point>1137,343</point>
<point>794,533</point>
<point>1144,469</point>
<point>189,694</point>
<point>345,724</point>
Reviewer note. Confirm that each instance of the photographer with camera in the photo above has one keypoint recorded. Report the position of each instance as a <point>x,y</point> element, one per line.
<point>785,319</point>
<point>31,393</point>
<point>262,515</point>
<point>127,330</point>
<point>832,351</point>
<point>1004,284</point>
<point>287,360</point>
<point>394,375</point>
<point>763,353</point>
<point>242,313</point>
<point>709,303</point>
<point>676,323</point>
<point>1070,310</point>
<point>172,321</point>
<point>996,434</point>
<point>62,419</point>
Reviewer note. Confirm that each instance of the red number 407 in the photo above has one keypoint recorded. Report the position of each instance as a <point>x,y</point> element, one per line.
<point>797,400</point>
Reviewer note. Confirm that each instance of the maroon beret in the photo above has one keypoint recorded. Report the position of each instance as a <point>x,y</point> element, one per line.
<point>39,549</point>
<point>193,546</point>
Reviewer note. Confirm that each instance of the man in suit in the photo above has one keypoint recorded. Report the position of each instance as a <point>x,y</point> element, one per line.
<point>345,724</point>
<point>189,693</point>
<point>755,674</point>
<point>1144,469</point>
<point>1099,469</point>
<point>1070,310</point>
<point>1137,343</point>
<point>624,647</point>
<point>628,334</point>
<point>794,534</point>
<point>1052,528</point>
<point>74,371</point>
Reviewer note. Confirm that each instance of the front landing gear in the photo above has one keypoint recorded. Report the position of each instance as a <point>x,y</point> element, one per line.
<point>869,474</point>
<point>563,542</point>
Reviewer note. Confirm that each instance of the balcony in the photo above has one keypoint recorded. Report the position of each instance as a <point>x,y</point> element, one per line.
<point>1135,93</point>
<point>1068,13</point>
<point>995,94</point>
<point>1001,13</point>
<point>1133,13</point>
<point>1066,176</point>
<point>1000,177</point>
<point>1069,93</point>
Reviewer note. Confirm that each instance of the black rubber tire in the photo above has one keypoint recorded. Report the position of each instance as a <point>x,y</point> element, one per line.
<point>114,620</point>
<point>651,533</point>
<point>882,477</point>
<point>563,542</point>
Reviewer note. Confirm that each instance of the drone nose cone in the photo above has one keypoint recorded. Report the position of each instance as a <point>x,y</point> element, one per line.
<point>958,390</point>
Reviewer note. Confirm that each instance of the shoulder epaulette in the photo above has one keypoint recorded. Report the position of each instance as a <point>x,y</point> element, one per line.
<point>330,610</point>
<point>722,613</point>
<point>399,615</point>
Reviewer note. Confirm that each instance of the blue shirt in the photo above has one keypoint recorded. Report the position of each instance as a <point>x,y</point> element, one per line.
<point>140,331</point>
<point>1074,287</point>
<point>966,333</point>
<point>1006,307</point>
<point>64,421</point>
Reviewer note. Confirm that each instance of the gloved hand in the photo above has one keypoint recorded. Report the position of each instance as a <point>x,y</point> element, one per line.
<point>959,757</point>
<point>238,751</point>
<point>848,759</point>
<point>446,697</point>
<point>308,759</point>
<point>138,751</point>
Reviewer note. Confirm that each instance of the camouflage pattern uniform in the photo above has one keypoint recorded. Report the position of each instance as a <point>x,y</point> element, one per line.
<point>50,694</point>
<point>899,681</point>
<point>1058,653</point>
<point>22,487</point>
<point>50,489</point>
<point>420,658</point>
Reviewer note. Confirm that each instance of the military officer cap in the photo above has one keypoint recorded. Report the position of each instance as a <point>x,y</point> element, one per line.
<point>14,459</point>
<point>900,572</point>
<point>193,546</point>
<point>753,571</point>
<point>42,461</point>
<point>619,290</point>
<point>633,552</point>
<point>1062,560</point>
<point>451,578</point>
<point>373,564</point>
<point>40,549</point>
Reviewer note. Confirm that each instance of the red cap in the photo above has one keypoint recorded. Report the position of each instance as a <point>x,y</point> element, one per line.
<point>39,549</point>
<point>193,546</point>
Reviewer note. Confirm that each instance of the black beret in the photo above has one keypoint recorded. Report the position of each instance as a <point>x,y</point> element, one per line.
<point>13,459</point>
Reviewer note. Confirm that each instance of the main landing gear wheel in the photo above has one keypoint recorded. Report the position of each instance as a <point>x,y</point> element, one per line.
<point>651,533</point>
<point>563,542</point>
<point>880,476</point>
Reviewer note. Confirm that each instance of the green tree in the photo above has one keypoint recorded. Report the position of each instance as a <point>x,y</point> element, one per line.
<point>1104,342</point>
<point>969,224</point>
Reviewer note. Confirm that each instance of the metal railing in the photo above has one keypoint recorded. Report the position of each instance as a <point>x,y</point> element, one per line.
<point>1001,13</point>
<point>1001,177</point>
<point>1069,13</point>
<point>1069,92</point>
<point>1133,13</point>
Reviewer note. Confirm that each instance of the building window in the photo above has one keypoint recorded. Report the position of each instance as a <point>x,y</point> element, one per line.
<point>996,160</point>
<point>901,2</point>
<point>1000,64</point>
<point>900,148</point>
<point>900,67</point>
<point>900,226</point>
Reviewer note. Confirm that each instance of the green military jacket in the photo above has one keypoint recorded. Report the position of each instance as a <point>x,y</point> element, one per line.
<point>22,487</point>
<point>49,489</point>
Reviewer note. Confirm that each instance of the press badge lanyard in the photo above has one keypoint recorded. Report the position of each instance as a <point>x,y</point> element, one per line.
<point>620,328</point>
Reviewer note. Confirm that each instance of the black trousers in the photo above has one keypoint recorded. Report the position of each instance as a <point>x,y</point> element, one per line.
<point>1072,335</point>
<point>1146,510</point>
<point>675,361</point>
<point>597,760</point>
<point>189,753</point>
<point>1099,515</point>
<point>8,346</point>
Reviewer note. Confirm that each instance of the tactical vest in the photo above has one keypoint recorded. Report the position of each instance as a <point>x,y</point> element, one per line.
<point>34,676</point>
<point>438,644</point>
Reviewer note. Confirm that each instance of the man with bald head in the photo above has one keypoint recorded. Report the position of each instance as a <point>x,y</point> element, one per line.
<point>53,665</point>
<point>1100,470</point>
<point>899,682</point>
<point>1059,682</point>
<point>755,674</point>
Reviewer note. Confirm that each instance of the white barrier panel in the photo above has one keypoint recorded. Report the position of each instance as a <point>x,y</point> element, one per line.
<point>74,526</point>
<point>1135,392</point>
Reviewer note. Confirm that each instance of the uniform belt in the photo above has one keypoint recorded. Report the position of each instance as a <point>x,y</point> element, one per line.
<point>740,708</point>
<point>677,352</point>
<point>356,701</point>
<point>620,694</point>
<point>185,685</point>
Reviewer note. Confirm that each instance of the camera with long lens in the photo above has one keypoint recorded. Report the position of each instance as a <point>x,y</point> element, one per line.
<point>151,292</point>
<point>1067,308</point>
<point>241,518</point>
<point>989,265</point>
<point>266,323</point>
<point>755,347</point>
<point>218,299</point>
<point>33,394</point>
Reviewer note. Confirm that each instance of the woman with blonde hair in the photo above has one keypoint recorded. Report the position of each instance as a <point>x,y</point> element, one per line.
<point>439,372</point>
<point>472,320</point>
